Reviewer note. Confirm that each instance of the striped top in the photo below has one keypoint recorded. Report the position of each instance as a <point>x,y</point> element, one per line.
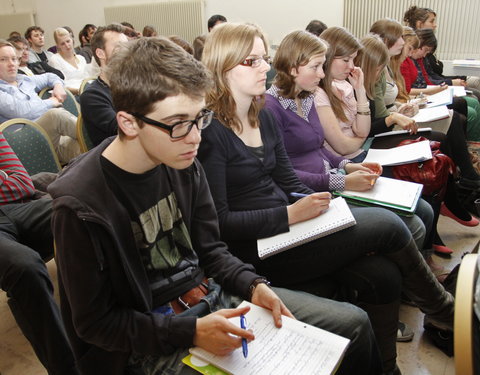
<point>16,186</point>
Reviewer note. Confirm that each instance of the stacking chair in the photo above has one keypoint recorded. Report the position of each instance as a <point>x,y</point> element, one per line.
<point>82,135</point>
<point>32,146</point>
<point>466,324</point>
<point>70,103</point>
<point>85,83</point>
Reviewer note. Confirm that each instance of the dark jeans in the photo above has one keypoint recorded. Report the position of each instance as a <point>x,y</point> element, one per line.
<point>25,241</point>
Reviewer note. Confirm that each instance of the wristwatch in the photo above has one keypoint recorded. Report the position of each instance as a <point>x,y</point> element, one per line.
<point>253,285</point>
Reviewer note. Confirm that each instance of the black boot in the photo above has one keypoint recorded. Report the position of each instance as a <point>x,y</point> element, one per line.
<point>422,287</point>
<point>384,320</point>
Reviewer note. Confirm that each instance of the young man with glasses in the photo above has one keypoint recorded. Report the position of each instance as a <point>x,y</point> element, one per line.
<point>142,272</point>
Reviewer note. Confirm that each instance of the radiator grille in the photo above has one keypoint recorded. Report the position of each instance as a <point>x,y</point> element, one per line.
<point>182,18</point>
<point>458,31</point>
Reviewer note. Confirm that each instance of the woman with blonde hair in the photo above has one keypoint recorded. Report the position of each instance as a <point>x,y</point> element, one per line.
<point>251,180</point>
<point>74,67</point>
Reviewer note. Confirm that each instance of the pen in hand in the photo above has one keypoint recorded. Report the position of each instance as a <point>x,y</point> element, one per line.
<point>244,341</point>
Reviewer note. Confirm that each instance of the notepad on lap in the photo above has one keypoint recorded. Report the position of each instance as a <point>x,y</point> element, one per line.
<point>413,152</point>
<point>337,217</point>
<point>432,114</point>
<point>388,192</point>
<point>444,97</point>
<point>296,348</point>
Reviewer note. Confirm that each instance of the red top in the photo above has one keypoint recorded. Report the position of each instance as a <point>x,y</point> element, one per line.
<point>409,73</point>
<point>16,186</point>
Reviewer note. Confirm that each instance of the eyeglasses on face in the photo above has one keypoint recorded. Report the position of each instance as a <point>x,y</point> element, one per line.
<point>180,129</point>
<point>255,62</point>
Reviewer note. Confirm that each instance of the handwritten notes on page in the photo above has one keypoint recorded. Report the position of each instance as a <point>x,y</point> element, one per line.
<point>296,348</point>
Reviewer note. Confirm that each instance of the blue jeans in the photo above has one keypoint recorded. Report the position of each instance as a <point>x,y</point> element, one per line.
<point>344,319</point>
<point>25,240</point>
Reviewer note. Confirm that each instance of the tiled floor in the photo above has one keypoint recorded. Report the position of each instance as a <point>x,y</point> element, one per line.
<point>415,358</point>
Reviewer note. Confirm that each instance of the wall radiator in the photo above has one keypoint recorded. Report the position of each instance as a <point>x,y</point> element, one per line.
<point>458,30</point>
<point>182,18</point>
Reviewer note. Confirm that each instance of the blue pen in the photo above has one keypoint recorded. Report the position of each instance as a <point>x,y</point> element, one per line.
<point>298,195</point>
<point>243,325</point>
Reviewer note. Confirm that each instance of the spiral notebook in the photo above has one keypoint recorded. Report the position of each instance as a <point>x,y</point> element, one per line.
<point>337,217</point>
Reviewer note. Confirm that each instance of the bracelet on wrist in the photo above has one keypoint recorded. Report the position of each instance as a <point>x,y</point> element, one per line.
<point>364,113</point>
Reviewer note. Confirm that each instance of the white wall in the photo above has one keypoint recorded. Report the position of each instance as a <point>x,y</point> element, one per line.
<point>276,17</point>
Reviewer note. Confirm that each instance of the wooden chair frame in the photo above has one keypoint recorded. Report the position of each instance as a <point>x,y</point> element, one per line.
<point>464,315</point>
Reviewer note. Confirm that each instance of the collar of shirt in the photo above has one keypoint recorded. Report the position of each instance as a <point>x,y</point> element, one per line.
<point>291,104</point>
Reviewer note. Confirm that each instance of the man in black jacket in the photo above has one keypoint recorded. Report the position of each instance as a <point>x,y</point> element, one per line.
<point>143,274</point>
<point>96,101</point>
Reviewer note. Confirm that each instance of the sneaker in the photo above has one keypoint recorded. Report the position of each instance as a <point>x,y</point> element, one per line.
<point>404,333</point>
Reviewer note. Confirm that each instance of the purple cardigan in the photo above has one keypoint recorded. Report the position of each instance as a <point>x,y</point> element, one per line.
<point>305,145</point>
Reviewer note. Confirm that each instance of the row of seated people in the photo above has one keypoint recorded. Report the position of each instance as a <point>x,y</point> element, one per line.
<point>291,101</point>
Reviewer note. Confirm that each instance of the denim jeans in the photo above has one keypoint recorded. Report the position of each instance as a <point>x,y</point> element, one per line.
<point>25,240</point>
<point>344,319</point>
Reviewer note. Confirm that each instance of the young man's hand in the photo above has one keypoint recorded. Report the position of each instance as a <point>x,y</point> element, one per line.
<point>216,334</point>
<point>265,297</point>
<point>59,93</point>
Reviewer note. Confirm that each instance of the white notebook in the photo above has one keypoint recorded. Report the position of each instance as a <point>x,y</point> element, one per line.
<point>337,217</point>
<point>296,348</point>
<point>388,192</point>
<point>413,152</point>
<point>432,114</point>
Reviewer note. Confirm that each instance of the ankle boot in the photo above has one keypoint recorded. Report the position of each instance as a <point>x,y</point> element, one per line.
<point>384,320</point>
<point>421,285</point>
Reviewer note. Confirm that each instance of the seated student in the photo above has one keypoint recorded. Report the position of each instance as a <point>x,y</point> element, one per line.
<point>341,101</point>
<point>36,38</point>
<point>30,69</point>
<point>74,67</point>
<point>251,179</point>
<point>136,231</point>
<point>18,98</point>
<point>85,37</point>
<point>99,116</point>
<point>25,242</point>
<point>149,30</point>
<point>305,145</point>
<point>316,27</point>
<point>391,33</point>
<point>372,59</point>
<point>215,20</point>
<point>426,18</point>
<point>428,43</point>
<point>313,163</point>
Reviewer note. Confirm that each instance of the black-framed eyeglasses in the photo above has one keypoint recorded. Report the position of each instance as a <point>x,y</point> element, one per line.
<point>180,129</point>
<point>255,62</point>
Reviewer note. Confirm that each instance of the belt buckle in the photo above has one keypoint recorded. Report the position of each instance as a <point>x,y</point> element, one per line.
<point>183,303</point>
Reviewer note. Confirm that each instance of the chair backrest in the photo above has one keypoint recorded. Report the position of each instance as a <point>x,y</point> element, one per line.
<point>32,145</point>
<point>85,83</point>
<point>82,135</point>
<point>70,103</point>
<point>464,315</point>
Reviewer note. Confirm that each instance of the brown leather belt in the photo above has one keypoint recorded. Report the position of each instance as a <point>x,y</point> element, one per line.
<point>191,298</point>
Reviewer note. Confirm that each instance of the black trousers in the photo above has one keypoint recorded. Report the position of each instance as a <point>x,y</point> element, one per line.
<point>25,242</point>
